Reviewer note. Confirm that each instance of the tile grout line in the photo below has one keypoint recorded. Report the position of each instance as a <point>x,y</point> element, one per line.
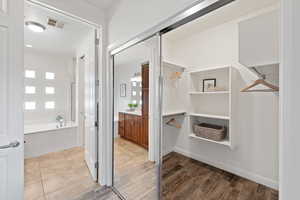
<point>44,194</point>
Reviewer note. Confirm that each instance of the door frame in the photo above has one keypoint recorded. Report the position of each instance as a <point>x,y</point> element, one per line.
<point>98,77</point>
<point>289,97</point>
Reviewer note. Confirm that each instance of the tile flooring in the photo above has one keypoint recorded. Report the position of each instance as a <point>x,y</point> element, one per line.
<point>135,176</point>
<point>57,176</point>
<point>103,193</point>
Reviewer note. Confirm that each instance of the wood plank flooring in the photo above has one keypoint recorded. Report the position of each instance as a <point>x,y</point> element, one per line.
<point>64,175</point>
<point>187,179</point>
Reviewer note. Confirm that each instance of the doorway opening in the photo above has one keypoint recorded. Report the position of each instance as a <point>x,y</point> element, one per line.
<point>220,115</point>
<point>60,104</point>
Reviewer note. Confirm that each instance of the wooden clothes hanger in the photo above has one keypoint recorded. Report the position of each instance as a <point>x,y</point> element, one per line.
<point>175,76</point>
<point>261,81</point>
<point>272,88</point>
<point>173,122</point>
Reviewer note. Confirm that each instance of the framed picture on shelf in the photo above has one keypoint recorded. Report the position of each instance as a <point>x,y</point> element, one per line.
<point>209,84</point>
<point>123,90</point>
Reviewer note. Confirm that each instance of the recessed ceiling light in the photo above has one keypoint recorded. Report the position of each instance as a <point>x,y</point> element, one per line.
<point>28,45</point>
<point>35,27</point>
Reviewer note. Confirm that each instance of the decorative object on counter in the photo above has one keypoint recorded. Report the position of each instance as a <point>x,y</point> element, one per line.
<point>173,122</point>
<point>132,106</point>
<point>60,120</point>
<point>208,84</point>
<point>210,131</point>
<point>216,89</point>
<point>123,90</point>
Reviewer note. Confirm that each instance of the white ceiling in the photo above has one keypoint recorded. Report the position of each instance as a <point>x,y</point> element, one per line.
<point>102,4</point>
<point>53,40</point>
<point>228,13</point>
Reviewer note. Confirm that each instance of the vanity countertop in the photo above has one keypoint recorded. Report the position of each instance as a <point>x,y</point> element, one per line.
<point>136,112</point>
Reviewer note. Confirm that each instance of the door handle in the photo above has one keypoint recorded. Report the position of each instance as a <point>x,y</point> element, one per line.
<point>14,144</point>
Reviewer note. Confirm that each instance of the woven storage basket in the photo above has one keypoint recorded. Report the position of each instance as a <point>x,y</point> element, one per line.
<point>209,131</point>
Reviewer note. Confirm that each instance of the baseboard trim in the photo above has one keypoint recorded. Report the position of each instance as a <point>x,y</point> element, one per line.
<point>237,171</point>
<point>166,152</point>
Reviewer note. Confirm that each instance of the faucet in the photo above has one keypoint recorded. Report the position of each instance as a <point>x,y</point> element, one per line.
<point>60,120</point>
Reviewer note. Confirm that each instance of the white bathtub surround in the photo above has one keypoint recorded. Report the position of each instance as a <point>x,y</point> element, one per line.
<point>53,77</point>
<point>39,128</point>
<point>45,138</point>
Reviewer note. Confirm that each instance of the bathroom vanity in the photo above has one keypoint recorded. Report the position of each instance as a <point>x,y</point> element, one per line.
<point>134,125</point>
<point>133,128</point>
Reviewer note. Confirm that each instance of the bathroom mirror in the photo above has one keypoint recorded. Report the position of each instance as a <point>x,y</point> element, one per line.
<point>136,90</point>
<point>135,174</point>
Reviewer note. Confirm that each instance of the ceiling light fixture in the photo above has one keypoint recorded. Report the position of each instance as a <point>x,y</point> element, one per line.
<point>28,45</point>
<point>35,27</point>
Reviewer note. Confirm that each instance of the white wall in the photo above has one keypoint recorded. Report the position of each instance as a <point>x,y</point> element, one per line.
<point>132,17</point>
<point>62,66</point>
<point>256,123</point>
<point>127,63</point>
<point>123,73</point>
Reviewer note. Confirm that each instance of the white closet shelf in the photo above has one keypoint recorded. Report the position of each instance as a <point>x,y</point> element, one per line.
<point>204,93</point>
<point>209,69</point>
<point>224,142</point>
<point>210,116</point>
<point>172,65</point>
<point>173,113</point>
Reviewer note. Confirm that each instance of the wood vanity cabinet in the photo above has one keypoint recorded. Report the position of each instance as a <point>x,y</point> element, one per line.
<point>132,127</point>
<point>145,75</point>
<point>135,127</point>
<point>128,127</point>
<point>144,132</point>
<point>122,124</point>
<point>145,106</point>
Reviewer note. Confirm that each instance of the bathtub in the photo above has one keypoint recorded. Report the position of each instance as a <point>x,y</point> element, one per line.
<point>38,128</point>
<point>41,139</point>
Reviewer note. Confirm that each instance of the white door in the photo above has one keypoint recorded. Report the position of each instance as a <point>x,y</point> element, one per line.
<point>11,100</point>
<point>91,139</point>
<point>81,98</point>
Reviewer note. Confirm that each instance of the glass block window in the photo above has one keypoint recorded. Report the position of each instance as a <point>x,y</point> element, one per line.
<point>30,105</point>
<point>50,75</point>
<point>30,74</point>
<point>30,90</point>
<point>49,105</point>
<point>49,90</point>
